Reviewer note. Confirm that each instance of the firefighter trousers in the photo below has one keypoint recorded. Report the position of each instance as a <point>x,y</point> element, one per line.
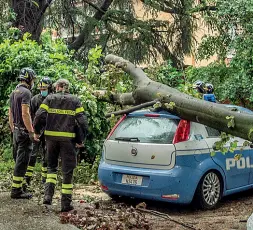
<point>22,149</point>
<point>66,151</point>
<point>33,159</point>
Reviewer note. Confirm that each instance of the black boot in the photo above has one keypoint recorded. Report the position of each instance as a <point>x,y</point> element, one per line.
<point>66,200</point>
<point>19,194</point>
<point>49,193</point>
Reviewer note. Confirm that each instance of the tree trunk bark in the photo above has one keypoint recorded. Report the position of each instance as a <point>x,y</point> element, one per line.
<point>30,15</point>
<point>89,27</point>
<point>187,107</point>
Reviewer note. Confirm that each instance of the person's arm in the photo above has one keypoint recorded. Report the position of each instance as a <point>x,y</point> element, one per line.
<point>33,107</point>
<point>39,121</point>
<point>81,119</point>
<point>26,116</point>
<point>11,120</point>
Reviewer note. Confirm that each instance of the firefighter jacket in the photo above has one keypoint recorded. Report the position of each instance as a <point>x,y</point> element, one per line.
<point>35,104</point>
<point>60,113</point>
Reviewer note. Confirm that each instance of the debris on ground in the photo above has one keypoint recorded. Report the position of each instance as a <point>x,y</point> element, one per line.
<point>106,216</point>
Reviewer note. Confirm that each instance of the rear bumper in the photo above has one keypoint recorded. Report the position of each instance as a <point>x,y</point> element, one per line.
<point>178,184</point>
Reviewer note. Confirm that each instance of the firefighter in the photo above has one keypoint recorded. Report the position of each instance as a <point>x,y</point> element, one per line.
<point>21,126</point>
<point>61,112</point>
<point>45,87</point>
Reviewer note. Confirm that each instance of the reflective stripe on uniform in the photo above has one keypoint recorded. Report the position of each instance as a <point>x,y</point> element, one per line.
<point>44,106</point>
<point>29,174</point>
<point>79,110</point>
<point>66,191</point>
<point>68,186</point>
<point>14,185</point>
<point>59,134</point>
<point>43,169</point>
<point>43,174</point>
<point>49,180</point>
<point>62,111</point>
<point>30,167</point>
<point>18,178</point>
<point>52,175</point>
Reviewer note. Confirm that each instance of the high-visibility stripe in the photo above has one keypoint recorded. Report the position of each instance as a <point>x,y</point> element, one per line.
<point>59,134</point>
<point>29,174</point>
<point>52,175</point>
<point>79,110</point>
<point>18,178</point>
<point>67,185</point>
<point>44,106</point>
<point>43,169</point>
<point>66,191</point>
<point>43,174</point>
<point>14,185</point>
<point>30,167</point>
<point>62,111</point>
<point>48,180</point>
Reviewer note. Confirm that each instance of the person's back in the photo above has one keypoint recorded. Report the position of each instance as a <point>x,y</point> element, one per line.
<point>60,122</point>
<point>61,112</point>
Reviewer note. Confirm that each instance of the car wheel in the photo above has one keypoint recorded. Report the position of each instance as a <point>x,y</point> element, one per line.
<point>209,190</point>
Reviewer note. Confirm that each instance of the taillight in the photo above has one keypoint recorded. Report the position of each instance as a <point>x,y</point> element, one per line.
<point>151,115</point>
<point>103,187</point>
<point>115,127</point>
<point>183,131</point>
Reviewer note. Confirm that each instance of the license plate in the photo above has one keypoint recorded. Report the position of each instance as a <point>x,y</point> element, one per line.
<point>131,179</point>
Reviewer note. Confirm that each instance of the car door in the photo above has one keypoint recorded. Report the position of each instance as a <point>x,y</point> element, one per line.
<point>236,165</point>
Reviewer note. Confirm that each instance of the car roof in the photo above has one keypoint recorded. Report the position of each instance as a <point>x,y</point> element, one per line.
<point>239,108</point>
<point>162,113</point>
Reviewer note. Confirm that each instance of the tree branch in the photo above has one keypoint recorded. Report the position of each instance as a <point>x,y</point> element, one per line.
<point>185,106</point>
<point>94,6</point>
<point>42,12</point>
<point>132,109</point>
<point>89,27</point>
<point>178,11</point>
<point>138,75</point>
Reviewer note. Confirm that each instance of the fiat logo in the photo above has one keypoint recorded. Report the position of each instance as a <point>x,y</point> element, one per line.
<point>134,151</point>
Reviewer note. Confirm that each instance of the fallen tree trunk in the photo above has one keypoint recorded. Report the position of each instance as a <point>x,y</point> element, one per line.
<point>187,107</point>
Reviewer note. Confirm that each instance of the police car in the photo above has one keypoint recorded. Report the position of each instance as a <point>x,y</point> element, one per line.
<point>158,156</point>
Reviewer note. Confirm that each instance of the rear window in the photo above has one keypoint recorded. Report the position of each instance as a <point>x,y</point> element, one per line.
<point>147,129</point>
<point>212,132</point>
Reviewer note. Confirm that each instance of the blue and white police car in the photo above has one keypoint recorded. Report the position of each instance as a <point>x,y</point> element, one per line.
<point>158,156</point>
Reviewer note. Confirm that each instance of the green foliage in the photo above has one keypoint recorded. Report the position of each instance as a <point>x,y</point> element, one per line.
<point>233,34</point>
<point>86,173</point>
<point>166,74</point>
<point>51,58</point>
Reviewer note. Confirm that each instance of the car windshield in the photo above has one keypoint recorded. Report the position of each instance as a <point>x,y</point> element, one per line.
<point>146,129</point>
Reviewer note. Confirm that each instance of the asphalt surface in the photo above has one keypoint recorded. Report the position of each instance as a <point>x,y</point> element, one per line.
<point>28,215</point>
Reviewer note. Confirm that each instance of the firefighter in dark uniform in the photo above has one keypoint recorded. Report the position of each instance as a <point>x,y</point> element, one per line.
<point>61,112</point>
<point>21,126</point>
<point>45,87</point>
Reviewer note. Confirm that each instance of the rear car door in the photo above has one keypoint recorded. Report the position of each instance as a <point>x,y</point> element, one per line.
<point>236,168</point>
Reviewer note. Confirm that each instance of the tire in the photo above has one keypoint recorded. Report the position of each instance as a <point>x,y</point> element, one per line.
<point>209,191</point>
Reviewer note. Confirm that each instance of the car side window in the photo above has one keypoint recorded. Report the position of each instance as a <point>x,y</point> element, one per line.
<point>211,132</point>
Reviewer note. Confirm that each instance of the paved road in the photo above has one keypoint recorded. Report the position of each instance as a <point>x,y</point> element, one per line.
<point>28,215</point>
